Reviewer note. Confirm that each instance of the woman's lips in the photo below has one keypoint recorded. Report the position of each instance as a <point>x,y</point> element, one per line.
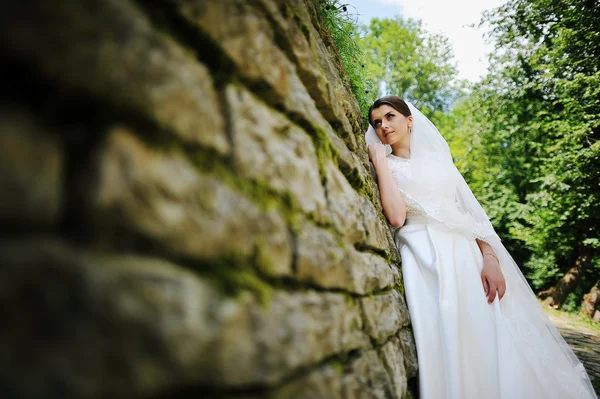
<point>387,134</point>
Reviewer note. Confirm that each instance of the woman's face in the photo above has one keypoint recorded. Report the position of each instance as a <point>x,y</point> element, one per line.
<point>390,125</point>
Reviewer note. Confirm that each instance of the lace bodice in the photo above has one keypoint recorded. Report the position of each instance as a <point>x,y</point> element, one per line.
<point>435,196</point>
<point>442,190</point>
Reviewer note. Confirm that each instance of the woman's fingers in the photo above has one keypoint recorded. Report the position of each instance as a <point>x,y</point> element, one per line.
<point>485,285</point>
<point>492,292</point>
<point>496,287</point>
<point>493,287</point>
<point>501,291</point>
<point>493,280</point>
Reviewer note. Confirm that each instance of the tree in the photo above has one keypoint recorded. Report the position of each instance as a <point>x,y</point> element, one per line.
<point>405,60</point>
<point>543,125</point>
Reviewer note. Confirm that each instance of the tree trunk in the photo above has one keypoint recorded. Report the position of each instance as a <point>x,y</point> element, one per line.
<point>555,296</point>
<point>591,302</point>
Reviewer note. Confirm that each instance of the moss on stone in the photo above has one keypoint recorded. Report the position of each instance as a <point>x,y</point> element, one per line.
<point>337,365</point>
<point>356,181</point>
<point>260,192</point>
<point>323,144</point>
<point>400,287</point>
<point>246,279</point>
<point>295,222</point>
<point>234,274</point>
<point>205,160</point>
<point>159,139</point>
<point>350,300</point>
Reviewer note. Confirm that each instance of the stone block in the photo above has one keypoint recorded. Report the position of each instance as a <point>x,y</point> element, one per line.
<point>344,205</point>
<point>347,160</point>
<point>370,272</point>
<point>384,315</point>
<point>295,331</point>
<point>363,376</point>
<point>324,261</point>
<point>367,378</point>
<point>321,259</point>
<point>162,197</point>
<point>110,50</point>
<point>271,149</point>
<point>379,235</point>
<point>346,100</point>
<point>393,361</point>
<point>323,382</point>
<point>331,63</point>
<point>108,325</point>
<point>299,40</point>
<point>83,324</point>
<point>248,40</point>
<point>31,171</point>
<point>409,351</point>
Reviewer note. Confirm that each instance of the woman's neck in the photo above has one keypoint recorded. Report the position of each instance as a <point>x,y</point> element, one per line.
<point>402,147</point>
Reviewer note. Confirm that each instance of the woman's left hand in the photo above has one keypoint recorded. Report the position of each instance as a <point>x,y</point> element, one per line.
<point>376,153</point>
<point>492,278</point>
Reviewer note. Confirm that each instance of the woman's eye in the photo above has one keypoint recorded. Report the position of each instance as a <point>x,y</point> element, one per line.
<point>390,116</point>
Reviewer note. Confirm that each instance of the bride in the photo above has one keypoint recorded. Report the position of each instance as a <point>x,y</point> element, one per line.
<point>479,329</point>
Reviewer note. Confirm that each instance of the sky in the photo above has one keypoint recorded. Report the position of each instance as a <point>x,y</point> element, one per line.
<point>450,18</point>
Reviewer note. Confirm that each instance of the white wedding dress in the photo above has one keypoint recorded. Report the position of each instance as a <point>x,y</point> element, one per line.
<point>467,348</point>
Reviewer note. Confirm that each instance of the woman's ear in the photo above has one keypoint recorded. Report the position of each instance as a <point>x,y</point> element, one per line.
<point>410,121</point>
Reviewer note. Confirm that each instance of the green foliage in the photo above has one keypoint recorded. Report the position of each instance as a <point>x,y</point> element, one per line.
<point>396,54</point>
<point>403,59</point>
<point>343,28</point>
<point>526,136</point>
<point>531,131</point>
<point>542,267</point>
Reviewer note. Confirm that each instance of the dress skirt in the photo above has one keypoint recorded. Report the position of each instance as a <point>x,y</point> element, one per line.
<point>464,347</point>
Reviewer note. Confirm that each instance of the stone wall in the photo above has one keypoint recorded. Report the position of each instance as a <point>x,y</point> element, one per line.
<point>186,208</point>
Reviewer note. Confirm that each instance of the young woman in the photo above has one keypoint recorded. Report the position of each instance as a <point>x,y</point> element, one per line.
<point>479,329</point>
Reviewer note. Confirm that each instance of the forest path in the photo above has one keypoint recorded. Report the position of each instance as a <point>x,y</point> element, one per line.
<point>584,339</point>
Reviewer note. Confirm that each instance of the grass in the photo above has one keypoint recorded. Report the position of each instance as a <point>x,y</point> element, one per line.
<point>342,25</point>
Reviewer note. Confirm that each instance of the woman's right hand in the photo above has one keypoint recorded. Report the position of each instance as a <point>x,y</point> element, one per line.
<point>376,153</point>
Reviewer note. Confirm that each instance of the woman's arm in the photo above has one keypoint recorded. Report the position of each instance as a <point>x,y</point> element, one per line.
<point>491,275</point>
<point>393,204</point>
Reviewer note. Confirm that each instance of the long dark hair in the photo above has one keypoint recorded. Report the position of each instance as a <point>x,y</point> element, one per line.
<point>395,102</point>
